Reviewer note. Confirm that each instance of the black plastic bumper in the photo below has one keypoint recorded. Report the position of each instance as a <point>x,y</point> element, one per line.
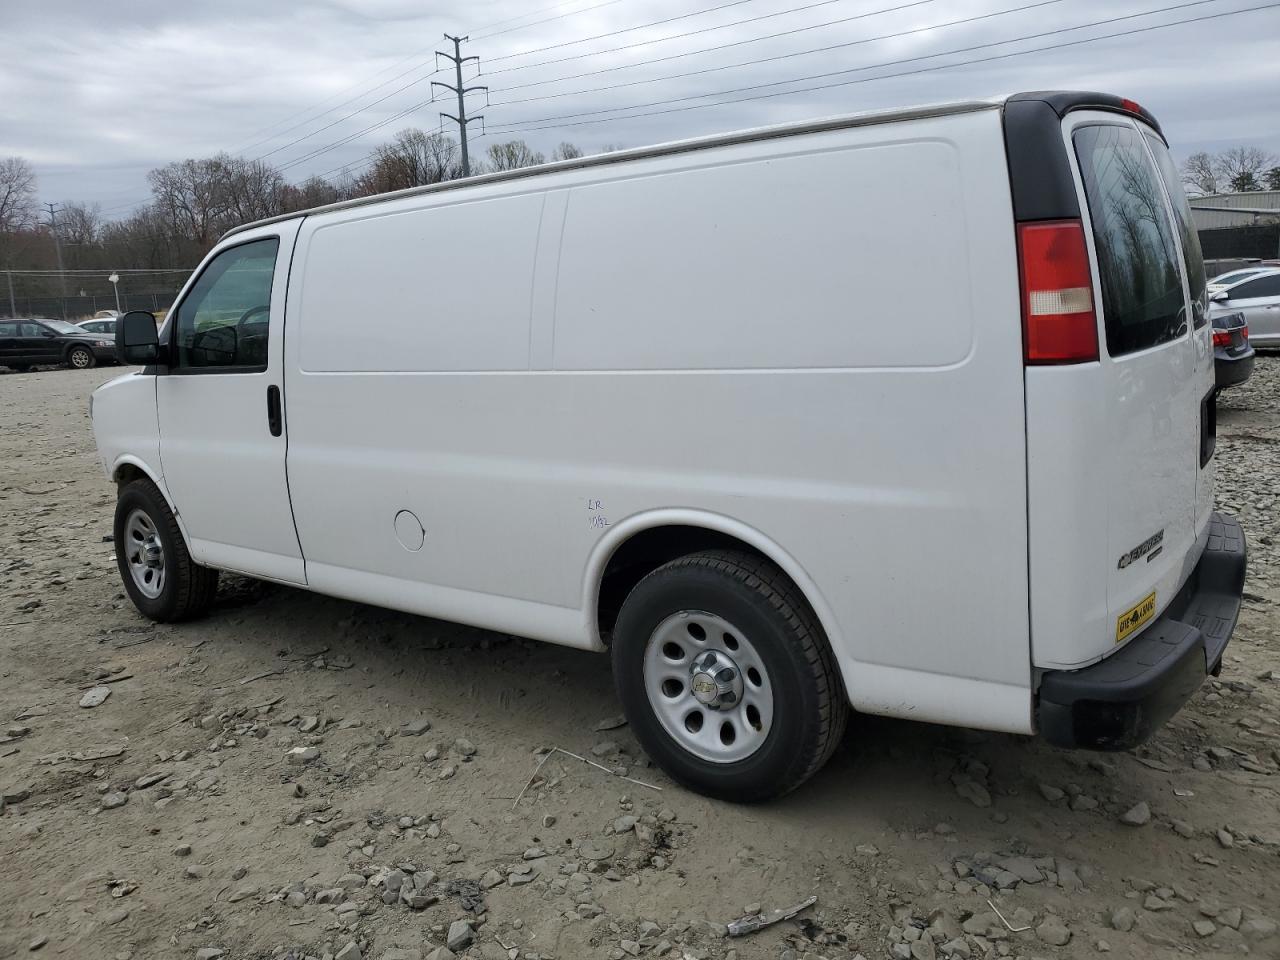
<point>1120,701</point>
<point>1232,371</point>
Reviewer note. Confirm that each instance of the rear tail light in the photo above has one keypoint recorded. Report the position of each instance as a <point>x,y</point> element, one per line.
<point>1222,338</point>
<point>1058,322</point>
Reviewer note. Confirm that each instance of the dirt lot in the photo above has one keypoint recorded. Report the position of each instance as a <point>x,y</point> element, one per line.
<point>172,820</point>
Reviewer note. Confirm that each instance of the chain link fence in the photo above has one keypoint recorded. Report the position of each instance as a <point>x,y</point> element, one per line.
<point>73,296</point>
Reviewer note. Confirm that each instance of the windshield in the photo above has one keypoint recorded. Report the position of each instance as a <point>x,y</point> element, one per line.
<point>62,326</point>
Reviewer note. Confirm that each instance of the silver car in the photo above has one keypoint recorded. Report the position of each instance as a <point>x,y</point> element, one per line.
<point>1258,298</point>
<point>1224,280</point>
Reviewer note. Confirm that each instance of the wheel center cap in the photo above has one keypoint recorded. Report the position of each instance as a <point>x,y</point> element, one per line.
<point>151,553</point>
<point>715,681</point>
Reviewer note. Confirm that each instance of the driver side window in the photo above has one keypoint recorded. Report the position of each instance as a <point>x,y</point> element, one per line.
<point>224,320</point>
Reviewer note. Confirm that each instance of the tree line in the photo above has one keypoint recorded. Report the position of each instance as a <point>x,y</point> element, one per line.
<point>194,201</point>
<point>1238,170</point>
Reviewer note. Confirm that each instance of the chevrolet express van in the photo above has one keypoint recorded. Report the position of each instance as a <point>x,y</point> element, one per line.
<point>902,413</point>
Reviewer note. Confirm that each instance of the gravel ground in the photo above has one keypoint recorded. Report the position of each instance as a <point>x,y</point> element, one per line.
<point>296,776</point>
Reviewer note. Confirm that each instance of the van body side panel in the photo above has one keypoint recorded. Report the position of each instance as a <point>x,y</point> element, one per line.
<point>817,337</point>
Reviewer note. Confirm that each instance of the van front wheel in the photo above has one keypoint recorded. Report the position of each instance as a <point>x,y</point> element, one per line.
<point>159,575</point>
<point>726,678</point>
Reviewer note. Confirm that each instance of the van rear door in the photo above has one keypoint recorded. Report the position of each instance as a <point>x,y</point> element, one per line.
<point>1157,370</point>
<point>1119,428</point>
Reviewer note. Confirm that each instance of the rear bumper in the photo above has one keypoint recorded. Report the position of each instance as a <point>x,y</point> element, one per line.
<point>1120,701</point>
<point>1232,371</point>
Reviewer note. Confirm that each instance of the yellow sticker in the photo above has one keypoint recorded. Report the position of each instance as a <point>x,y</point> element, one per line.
<point>1128,622</point>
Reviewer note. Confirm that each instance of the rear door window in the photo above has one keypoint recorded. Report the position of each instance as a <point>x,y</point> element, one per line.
<point>1142,297</point>
<point>1192,258</point>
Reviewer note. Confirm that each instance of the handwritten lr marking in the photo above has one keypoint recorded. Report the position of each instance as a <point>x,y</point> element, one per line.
<point>597,520</point>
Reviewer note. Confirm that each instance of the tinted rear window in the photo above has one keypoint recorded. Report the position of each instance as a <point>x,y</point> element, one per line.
<point>1142,299</point>
<point>1192,258</point>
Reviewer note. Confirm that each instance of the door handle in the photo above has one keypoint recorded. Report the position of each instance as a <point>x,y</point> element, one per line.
<point>273,410</point>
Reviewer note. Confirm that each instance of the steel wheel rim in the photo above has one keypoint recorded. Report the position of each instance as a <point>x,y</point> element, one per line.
<point>708,686</point>
<point>144,553</point>
<point>79,359</point>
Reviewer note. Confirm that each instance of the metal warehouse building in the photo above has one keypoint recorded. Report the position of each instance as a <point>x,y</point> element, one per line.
<point>1238,225</point>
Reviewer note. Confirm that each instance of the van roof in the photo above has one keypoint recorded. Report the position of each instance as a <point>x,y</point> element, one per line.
<point>1061,102</point>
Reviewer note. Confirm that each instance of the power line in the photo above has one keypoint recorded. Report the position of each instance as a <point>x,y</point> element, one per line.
<point>405,73</point>
<point>571,13</point>
<point>360,83</point>
<point>818,3</point>
<point>614,33</point>
<point>348,116</point>
<point>788,56</point>
<point>548,123</point>
<point>694,33</point>
<point>355,136</point>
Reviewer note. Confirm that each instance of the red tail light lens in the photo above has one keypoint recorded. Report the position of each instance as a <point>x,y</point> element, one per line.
<point>1058,321</point>
<point>1222,338</point>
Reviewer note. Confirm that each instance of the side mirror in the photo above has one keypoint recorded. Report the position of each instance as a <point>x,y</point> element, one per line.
<point>1219,296</point>
<point>137,341</point>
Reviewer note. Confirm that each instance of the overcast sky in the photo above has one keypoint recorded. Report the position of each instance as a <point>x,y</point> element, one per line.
<point>95,94</point>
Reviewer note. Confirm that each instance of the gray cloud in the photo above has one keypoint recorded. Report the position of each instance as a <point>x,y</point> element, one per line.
<point>100,93</point>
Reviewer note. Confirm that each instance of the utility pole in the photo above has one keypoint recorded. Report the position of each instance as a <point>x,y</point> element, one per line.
<point>57,246</point>
<point>13,304</point>
<point>461,119</point>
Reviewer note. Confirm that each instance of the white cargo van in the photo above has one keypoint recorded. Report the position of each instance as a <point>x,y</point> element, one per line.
<point>910,413</point>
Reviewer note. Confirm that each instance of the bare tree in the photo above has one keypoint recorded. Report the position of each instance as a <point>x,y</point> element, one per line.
<point>252,190</point>
<point>192,196</point>
<point>313,192</point>
<point>17,194</point>
<point>80,223</point>
<point>511,155</point>
<point>1199,173</point>
<point>1243,167</point>
<point>566,151</point>
<point>413,159</point>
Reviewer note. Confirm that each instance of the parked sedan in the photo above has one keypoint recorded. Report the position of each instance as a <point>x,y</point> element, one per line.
<point>1224,280</point>
<point>1258,298</point>
<point>104,325</point>
<point>1232,352</point>
<point>28,343</point>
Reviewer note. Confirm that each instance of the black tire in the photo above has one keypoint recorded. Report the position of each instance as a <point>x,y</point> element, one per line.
<point>19,367</point>
<point>81,358</point>
<point>810,706</point>
<point>189,588</point>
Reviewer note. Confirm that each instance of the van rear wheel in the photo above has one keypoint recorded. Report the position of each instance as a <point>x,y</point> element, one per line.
<point>726,678</point>
<point>159,575</point>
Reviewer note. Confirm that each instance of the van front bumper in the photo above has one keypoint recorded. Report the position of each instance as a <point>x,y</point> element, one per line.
<point>1118,702</point>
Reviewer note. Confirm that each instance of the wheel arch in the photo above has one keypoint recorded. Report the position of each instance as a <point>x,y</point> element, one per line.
<point>66,353</point>
<point>129,468</point>
<point>641,543</point>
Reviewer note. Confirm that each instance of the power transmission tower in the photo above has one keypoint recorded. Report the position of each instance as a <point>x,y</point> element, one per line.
<point>461,119</point>
<point>57,246</point>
